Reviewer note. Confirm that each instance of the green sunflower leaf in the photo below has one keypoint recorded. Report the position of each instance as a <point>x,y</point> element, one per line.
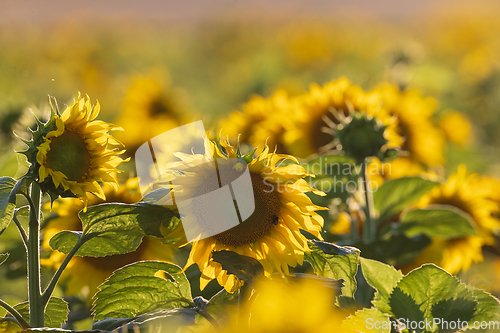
<point>140,288</point>
<point>7,201</point>
<point>394,195</point>
<point>335,262</point>
<point>437,220</point>
<point>429,294</point>
<point>65,240</point>
<point>110,229</point>
<point>332,165</point>
<point>384,278</point>
<point>9,326</point>
<point>487,310</point>
<point>245,268</point>
<point>56,312</point>
<point>158,321</point>
<point>368,320</point>
<point>396,249</point>
<point>335,175</point>
<point>10,163</point>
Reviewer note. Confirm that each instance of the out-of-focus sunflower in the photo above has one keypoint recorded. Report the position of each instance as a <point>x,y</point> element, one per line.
<point>312,129</point>
<point>85,274</point>
<point>456,127</point>
<point>422,139</point>
<point>465,192</point>
<point>282,306</point>
<point>79,153</point>
<point>479,64</point>
<point>261,120</point>
<point>272,233</point>
<point>342,225</point>
<point>151,107</point>
<point>403,166</point>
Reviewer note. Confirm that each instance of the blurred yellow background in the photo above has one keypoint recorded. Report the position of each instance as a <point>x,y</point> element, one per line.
<point>154,65</point>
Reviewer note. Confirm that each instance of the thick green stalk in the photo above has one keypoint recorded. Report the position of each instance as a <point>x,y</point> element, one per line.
<point>34,287</point>
<point>369,228</point>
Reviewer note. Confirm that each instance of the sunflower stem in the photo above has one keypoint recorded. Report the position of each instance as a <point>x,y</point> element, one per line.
<point>242,298</point>
<point>209,318</point>
<point>20,320</point>
<point>354,228</point>
<point>369,229</point>
<point>53,282</point>
<point>21,229</point>
<point>242,295</point>
<point>34,288</point>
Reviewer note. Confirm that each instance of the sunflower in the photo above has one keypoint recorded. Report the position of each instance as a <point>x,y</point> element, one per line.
<point>456,127</point>
<point>282,306</point>
<point>272,233</point>
<point>261,120</point>
<point>151,107</point>
<point>422,139</point>
<point>79,153</point>
<point>464,191</point>
<point>85,274</point>
<point>403,166</point>
<point>311,130</point>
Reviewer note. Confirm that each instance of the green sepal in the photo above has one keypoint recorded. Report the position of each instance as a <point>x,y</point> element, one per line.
<point>389,155</point>
<point>244,268</point>
<point>249,157</point>
<point>362,136</point>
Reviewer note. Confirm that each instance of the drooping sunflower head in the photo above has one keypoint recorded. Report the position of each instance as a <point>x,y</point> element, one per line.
<point>362,136</point>
<point>313,131</point>
<point>271,232</point>
<point>73,153</point>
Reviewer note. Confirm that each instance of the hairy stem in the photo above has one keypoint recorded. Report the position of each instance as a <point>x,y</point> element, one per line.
<point>53,282</point>
<point>21,229</point>
<point>34,288</point>
<point>369,229</point>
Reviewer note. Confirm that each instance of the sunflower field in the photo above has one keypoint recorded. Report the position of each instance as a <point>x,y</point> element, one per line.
<point>250,167</point>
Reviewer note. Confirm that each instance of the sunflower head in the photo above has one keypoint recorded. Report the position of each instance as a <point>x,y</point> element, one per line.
<point>271,232</point>
<point>72,152</point>
<point>474,195</point>
<point>362,136</point>
<point>280,305</point>
<point>321,110</point>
